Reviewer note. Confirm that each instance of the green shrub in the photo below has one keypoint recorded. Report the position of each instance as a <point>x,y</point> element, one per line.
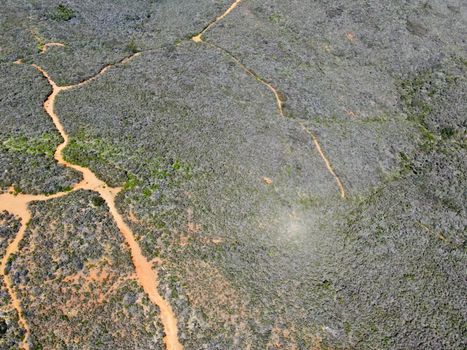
<point>447,132</point>
<point>63,13</point>
<point>132,47</point>
<point>44,144</point>
<point>131,182</point>
<point>97,201</point>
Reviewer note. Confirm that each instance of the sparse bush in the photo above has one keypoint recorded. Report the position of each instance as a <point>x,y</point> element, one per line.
<point>132,47</point>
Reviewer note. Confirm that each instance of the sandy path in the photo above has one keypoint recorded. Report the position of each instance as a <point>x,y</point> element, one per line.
<point>18,204</point>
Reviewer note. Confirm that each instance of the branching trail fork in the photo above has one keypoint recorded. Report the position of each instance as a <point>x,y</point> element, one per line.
<point>18,205</point>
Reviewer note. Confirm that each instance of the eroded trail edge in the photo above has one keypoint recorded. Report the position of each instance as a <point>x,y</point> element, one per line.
<point>277,94</point>
<point>17,204</point>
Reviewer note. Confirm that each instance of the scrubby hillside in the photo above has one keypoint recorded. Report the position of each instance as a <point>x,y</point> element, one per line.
<point>233,174</point>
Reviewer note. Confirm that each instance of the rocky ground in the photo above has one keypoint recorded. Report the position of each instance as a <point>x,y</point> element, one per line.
<point>231,152</point>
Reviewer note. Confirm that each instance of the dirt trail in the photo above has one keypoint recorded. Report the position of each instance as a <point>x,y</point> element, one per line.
<point>46,46</point>
<point>199,38</point>
<point>18,205</point>
<point>277,95</point>
<point>15,206</point>
<point>325,160</point>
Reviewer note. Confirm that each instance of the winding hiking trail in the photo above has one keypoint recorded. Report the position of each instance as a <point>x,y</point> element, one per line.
<point>198,38</point>
<point>48,45</point>
<point>17,204</point>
